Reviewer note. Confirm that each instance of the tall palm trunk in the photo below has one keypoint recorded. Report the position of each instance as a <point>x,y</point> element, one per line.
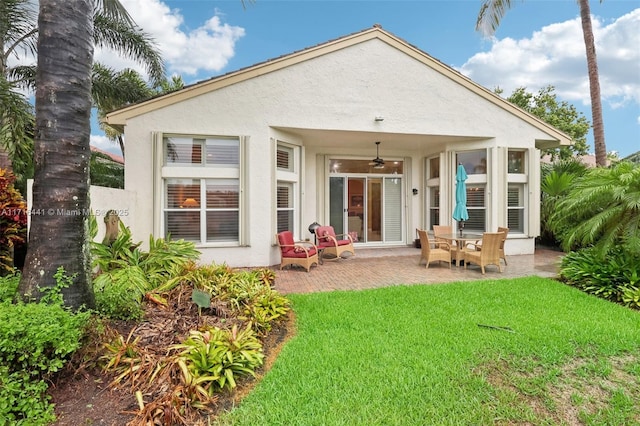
<point>59,221</point>
<point>594,84</point>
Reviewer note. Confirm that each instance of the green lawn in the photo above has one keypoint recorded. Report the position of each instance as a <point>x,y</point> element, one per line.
<point>415,355</point>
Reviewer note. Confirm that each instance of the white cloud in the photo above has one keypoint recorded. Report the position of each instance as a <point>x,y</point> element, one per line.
<point>555,56</point>
<point>185,51</point>
<point>105,144</point>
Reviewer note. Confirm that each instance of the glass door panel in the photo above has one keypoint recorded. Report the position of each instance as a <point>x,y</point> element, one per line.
<point>374,209</point>
<point>392,209</point>
<point>336,204</point>
<point>356,208</point>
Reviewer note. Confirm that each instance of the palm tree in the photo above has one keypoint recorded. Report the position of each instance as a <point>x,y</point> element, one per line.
<point>489,17</point>
<point>602,209</point>
<point>59,223</point>
<point>113,28</point>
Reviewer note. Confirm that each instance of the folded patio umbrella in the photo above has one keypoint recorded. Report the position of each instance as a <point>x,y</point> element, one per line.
<point>460,212</point>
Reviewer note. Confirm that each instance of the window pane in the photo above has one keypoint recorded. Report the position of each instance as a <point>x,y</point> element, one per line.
<point>183,225</point>
<point>223,194</point>
<point>515,210</point>
<point>285,220</point>
<point>434,206</point>
<point>434,168</point>
<point>476,220</point>
<point>363,166</point>
<point>476,208</point>
<point>222,226</point>
<point>515,220</point>
<point>182,151</point>
<point>475,196</point>
<point>284,158</point>
<point>183,194</point>
<point>474,162</point>
<point>223,152</point>
<point>516,162</point>
<point>285,195</point>
<point>515,196</point>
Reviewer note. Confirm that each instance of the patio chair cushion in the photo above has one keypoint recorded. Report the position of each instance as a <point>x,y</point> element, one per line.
<point>327,231</point>
<point>286,239</point>
<point>300,253</point>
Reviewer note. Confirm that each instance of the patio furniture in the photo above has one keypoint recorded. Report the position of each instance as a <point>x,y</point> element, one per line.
<point>488,255</point>
<point>461,241</point>
<point>330,243</point>
<point>478,244</point>
<point>438,231</point>
<point>435,254</point>
<point>302,253</point>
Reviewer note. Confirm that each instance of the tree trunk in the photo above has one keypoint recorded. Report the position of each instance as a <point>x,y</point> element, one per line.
<point>594,84</point>
<point>60,212</point>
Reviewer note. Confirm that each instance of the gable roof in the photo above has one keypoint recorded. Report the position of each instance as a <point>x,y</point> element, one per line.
<point>119,117</point>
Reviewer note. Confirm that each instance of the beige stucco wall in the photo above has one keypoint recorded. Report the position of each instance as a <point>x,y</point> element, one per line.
<point>339,92</point>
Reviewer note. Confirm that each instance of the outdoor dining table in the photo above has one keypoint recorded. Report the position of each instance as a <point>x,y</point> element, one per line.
<point>461,240</point>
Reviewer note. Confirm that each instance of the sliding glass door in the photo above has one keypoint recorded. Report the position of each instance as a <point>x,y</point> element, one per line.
<point>368,206</point>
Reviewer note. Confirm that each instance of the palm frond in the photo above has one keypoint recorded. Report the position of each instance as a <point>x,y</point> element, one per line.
<point>490,15</point>
<point>130,42</point>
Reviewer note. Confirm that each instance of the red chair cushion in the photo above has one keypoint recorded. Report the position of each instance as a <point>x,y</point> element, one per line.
<point>285,238</point>
<point>300,254</point>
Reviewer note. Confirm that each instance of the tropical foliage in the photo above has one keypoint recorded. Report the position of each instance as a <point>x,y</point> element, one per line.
<point>36,340</point>
<point>13,220</point>
<point>113,29</point>
<point>557,179</point>
<point>602,208</point>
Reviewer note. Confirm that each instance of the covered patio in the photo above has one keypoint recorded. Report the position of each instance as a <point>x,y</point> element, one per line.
<point>381,267</point>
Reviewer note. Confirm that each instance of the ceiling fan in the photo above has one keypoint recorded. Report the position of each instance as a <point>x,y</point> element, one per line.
<point>377,163</point>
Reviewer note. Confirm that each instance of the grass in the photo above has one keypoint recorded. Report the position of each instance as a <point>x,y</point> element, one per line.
<point>410,355</point>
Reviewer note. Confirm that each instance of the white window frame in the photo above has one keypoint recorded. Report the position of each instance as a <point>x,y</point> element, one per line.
<point>164,172</point>
<point>476,179</point>
<point>432,183</point>
<point>521,179</point>
<point>289,177</point>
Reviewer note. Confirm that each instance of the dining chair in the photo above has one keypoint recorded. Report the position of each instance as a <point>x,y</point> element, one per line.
<point>478,244</point>
<point>442,230</point>
<point>435,254</point>
<point>489,254</point>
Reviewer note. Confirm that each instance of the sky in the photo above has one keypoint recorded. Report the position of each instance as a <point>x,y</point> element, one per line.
<point>538,43</point>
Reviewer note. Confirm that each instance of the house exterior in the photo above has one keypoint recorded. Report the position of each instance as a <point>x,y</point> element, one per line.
<point>229,162</point>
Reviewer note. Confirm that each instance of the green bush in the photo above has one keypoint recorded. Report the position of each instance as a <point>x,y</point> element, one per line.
<point>9,287</point>
<point>212,359</point>
<point>36,339</point>
<point>23,401</point>
<point>614,276</point>
<point>125,273</point>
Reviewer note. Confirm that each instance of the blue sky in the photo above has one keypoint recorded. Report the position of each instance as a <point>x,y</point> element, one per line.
<point>538,43</point>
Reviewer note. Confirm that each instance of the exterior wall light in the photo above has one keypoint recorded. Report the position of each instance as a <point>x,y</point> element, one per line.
<point>415,191</point>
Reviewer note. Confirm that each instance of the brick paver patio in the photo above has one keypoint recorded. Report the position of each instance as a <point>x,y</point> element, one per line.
<point>381,267</point>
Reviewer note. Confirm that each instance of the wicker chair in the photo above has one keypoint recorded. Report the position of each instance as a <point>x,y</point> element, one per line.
<point>489,254</point>
<point>330,244</point>
<point>478,244</point>
<point>442,230</point>
<point>302,253</point>
<point>436,254</point>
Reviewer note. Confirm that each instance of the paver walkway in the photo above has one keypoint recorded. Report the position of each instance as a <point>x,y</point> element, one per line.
<point>381,267</point>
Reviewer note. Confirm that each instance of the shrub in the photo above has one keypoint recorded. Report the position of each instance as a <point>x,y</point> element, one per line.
<point>125,274</point>
<point>614,276</point>
<point>36,340</point>
<point>9,287</point>
<point>13,220</point>
<point>212,359</point>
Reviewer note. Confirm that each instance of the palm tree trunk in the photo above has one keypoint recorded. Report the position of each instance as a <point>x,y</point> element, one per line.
<point>594,84</point>
<point>59,221</point>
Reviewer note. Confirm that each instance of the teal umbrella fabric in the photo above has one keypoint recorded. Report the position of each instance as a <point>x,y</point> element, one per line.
<point>460,212</point>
